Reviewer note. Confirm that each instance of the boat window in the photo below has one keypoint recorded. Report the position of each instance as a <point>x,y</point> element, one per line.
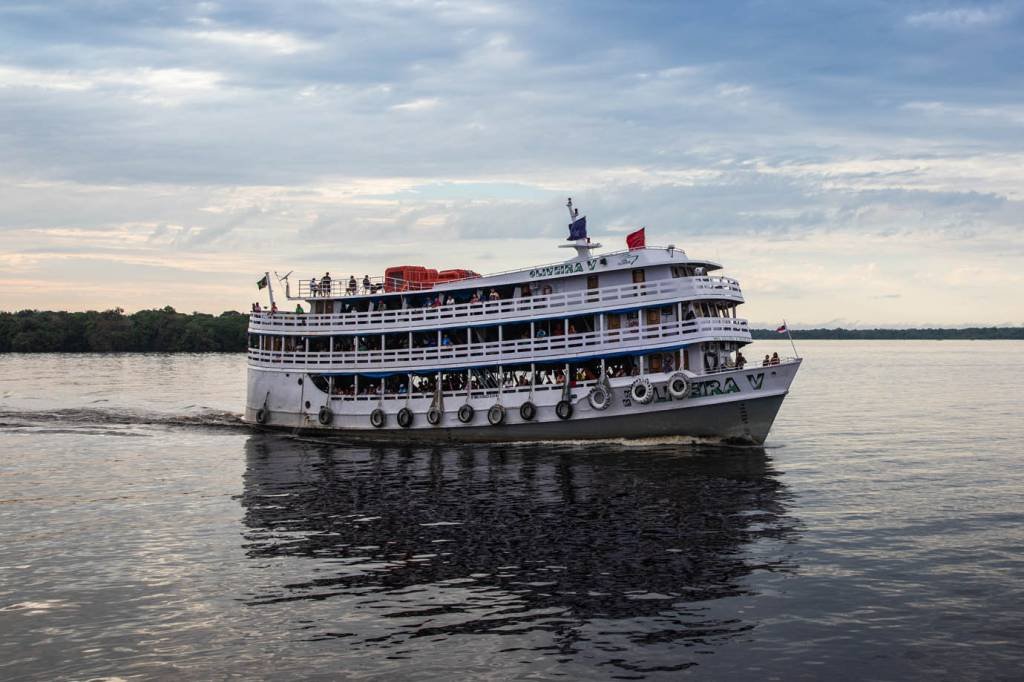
<point>638,276</point>
<point>394,341</point>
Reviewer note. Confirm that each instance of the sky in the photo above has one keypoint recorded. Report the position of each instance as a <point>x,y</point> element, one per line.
<point>852,163</point>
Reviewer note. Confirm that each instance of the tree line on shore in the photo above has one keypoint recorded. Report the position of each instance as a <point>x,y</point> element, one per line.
<point>926,334</point>
<point>168,331</point>
<point>112,331</point>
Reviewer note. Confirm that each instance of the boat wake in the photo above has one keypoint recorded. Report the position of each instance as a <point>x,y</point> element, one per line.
<point>79,419</point>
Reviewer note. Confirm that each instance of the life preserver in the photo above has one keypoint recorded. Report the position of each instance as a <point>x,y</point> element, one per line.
<point>528,411</point>
<point>378,418</point>
<point>600,397</point>
<point>466,413</point>
<point>434,416</point>
<point>325,417</point>
<point>563,409</point>
<point>496,414</point>
<point>641,391</point>
<point>261,415</point>
<point>405,417</point>
<point>679,386</point>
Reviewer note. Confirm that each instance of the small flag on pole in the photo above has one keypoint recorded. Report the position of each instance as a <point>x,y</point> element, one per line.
<point>263,283</point>
<point>636,240</point>
<point>578,229</point>
<point>782,329</point>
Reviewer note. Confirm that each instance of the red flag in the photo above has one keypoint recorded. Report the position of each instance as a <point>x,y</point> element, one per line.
<point>636,240</point>
<point>782,329</point>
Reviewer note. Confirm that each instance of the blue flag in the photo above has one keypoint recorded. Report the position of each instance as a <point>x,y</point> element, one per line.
<point>578,229</point>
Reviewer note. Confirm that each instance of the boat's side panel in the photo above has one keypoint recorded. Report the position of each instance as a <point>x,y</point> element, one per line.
<point>745,421</point>
<point>740,404</point>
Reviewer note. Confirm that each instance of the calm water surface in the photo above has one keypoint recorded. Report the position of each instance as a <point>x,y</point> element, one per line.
<point>878,535</point>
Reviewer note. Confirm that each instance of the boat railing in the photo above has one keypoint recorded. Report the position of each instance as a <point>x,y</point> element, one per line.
<point>475,392</point>
<point>507,351</point>
<point>351,285</point>
<point>750,365</point>
<point>523,306</point>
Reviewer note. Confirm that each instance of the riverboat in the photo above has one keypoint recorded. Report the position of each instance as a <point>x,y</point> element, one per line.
<point>638,343</point>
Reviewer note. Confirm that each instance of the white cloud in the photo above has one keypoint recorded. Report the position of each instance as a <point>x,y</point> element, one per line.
<point>274,42</point>
<point>958,17</point>
<point>161,86</point>
<point>421,104</point>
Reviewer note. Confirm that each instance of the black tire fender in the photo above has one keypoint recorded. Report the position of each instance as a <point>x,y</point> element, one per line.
<point>405,417</point>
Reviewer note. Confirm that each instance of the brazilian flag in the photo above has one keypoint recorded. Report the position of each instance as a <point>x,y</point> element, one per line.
<point>263,283</point>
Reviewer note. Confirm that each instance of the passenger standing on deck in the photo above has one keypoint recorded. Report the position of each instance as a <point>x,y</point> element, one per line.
<point>775,358</point>
<point>314,286</point>
<point>366,283</point>
<point>740,360</point>
<point>352,285</point>
<point>325,284</point>
<point>767,361</point>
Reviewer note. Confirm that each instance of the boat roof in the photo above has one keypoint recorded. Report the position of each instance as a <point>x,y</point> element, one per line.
<point>574,267</point>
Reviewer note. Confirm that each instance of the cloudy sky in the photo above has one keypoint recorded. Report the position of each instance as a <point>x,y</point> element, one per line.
<point>852,162</point>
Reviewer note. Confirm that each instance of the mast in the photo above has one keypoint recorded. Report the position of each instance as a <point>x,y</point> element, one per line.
<point>578,226</point>
<point>270,288</point>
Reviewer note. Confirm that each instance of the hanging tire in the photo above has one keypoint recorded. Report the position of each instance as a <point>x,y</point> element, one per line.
<point>641,391</point>
<point>325,417</point>
<point>496,414</point>
<point>262,415</point>
<point>434,416</point>
<point>679,386</point>
<point>405,417</point>
<point>378,418</point>
<point>563,409</point>
<point>466,413</point>
<point>600,397</point>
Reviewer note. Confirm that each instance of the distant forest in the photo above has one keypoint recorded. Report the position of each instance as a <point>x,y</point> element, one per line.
<point>111,331</point>
<point>966,334</point>
<point>168,331</point>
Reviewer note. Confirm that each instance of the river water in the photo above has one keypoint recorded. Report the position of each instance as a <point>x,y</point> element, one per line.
<point>879,534</point>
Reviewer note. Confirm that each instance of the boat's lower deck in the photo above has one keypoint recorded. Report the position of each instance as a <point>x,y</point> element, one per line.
<point>739,405</point>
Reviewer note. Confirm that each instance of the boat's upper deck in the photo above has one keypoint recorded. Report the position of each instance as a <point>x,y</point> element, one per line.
<point>502,310</point>
<point>352,288</point>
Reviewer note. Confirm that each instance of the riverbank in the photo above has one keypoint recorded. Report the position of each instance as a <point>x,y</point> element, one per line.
<point>165,330</point>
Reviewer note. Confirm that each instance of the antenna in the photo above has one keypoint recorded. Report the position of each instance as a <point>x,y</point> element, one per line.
<point>568,205</point>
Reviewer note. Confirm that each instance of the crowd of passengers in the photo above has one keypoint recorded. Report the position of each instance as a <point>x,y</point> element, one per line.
<point>457,382</point>
<point>322,287</point>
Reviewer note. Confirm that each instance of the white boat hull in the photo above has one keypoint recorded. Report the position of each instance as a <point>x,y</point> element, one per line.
<point>737,405</point>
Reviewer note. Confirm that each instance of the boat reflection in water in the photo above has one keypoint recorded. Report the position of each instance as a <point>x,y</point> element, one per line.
<point>556,548</point>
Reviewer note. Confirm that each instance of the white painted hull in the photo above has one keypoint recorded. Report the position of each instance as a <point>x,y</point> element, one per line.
<point>737,405</point>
